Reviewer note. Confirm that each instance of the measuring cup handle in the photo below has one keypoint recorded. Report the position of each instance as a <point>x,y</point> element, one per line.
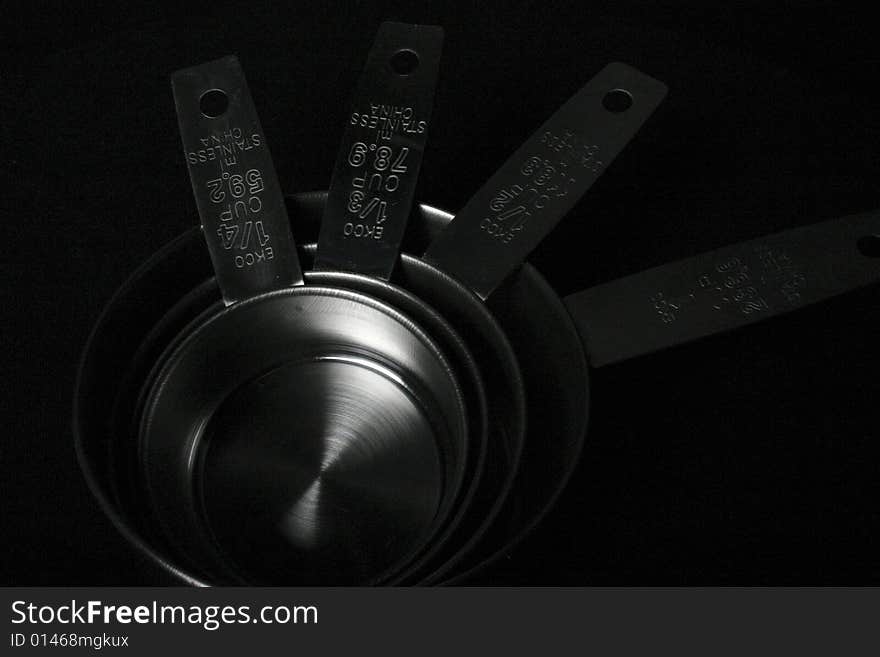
<point>537,186</point>
<point>726,288</point>
<point>239,199</point>
<point>377,165</point>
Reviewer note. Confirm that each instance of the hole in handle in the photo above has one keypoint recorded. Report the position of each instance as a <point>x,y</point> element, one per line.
<point>213,103</point>
<point>617,101</point>
<point>404,62</point>
<point>869,246</point>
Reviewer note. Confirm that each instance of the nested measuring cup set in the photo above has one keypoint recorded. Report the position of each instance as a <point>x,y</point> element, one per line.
<point>398,399</point>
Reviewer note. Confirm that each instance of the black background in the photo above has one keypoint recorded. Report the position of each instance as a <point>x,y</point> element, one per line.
<point>748,458</point>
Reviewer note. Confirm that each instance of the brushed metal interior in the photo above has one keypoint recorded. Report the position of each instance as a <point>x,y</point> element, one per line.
<point>308,435</point>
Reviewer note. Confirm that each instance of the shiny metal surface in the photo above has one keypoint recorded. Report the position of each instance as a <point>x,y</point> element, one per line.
<point>308,435</point>
<point>478,491</point>
<point>555,448</point>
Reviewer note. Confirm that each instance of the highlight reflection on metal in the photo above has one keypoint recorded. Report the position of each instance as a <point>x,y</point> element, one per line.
<point>304,518</point>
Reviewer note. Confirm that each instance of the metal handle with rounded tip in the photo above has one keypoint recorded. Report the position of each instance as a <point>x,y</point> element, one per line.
<point>239,200</point>
<point>377,166</point>
<point>727,288</point>
<point>522,202</point>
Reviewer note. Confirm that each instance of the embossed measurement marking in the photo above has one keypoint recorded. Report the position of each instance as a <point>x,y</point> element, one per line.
<point>746,284</point>
<point>234,183</point>
<point>378,162</point>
